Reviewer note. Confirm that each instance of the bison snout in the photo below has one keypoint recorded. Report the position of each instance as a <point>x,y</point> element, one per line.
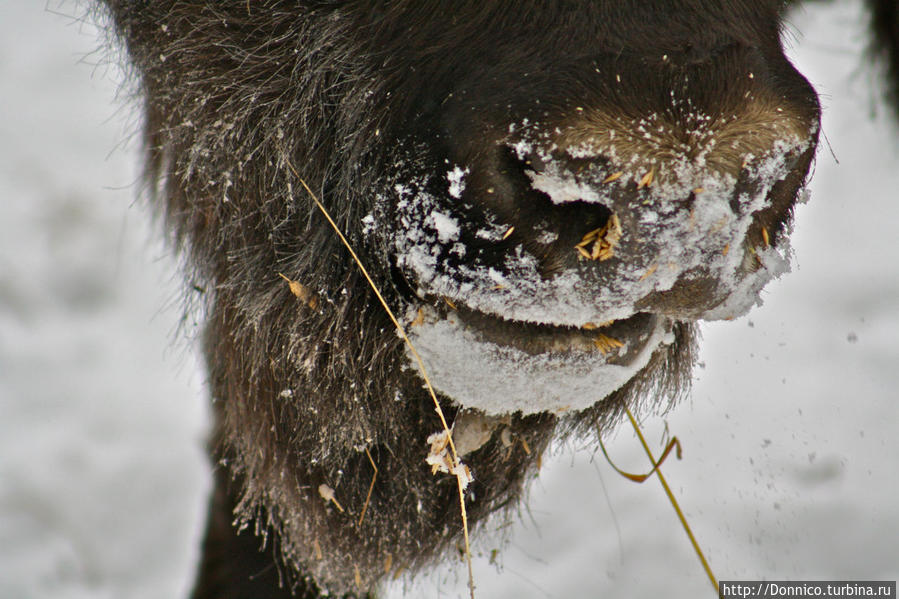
<point>549,232</point>
<point>674,233</point>
<point>657,185</point>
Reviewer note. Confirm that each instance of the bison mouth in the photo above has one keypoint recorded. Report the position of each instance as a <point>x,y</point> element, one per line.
<point>619,340</point>
<point>501,366</point>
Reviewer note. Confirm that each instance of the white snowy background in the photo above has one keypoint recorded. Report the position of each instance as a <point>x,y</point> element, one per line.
<point>791,455</point>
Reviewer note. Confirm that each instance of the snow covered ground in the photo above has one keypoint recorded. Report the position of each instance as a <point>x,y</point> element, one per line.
<point>790,436</point>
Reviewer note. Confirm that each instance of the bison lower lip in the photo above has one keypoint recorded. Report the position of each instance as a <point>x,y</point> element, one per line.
<point>501,367</point>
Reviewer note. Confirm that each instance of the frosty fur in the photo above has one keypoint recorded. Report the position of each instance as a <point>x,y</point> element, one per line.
<point>348,93</point>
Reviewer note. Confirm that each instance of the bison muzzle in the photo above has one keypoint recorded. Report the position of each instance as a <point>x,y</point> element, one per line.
<point>549,195</point>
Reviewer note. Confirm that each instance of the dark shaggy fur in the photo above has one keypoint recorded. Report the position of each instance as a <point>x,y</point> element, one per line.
<point>236,94</point>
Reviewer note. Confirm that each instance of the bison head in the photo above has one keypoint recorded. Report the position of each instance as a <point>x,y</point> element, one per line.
<point>549,194</point>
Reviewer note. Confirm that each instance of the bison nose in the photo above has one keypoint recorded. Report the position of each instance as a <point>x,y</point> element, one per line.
<point>670,178</point>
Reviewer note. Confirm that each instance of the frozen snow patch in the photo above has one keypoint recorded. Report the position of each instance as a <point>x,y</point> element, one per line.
<point>446,226</point>
<point>747,292</point>
<point>456,178</point>
<point>563,189</point>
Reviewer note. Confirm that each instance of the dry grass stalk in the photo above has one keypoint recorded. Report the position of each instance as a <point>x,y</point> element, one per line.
<point>605,344</point>
<point>656,469</point>
<point>603,240</point>
<point>674,504</point>
<point>673,444</point>
<point>509,232</point>
<point>649,272</point>
<point>371,487</point>
<point>613,177</point>
<point>525,446</point>
<point>418,360</point>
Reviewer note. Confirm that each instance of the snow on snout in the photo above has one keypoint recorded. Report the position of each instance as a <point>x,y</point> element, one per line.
<point>693,224</point>
<point>564,188</point>
<point>690,223</point>
<point>446,226</point>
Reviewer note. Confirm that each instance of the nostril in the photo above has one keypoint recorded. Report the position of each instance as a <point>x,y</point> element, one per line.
<point>550,215</point>
<point>520,163</point>
<point>532,162</point>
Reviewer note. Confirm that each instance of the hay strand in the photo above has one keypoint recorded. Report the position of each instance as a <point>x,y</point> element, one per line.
<point>673,501</point>
<point>458,469</point>
<point>371,487</point>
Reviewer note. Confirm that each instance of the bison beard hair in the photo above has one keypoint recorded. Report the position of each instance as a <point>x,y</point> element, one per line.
<point>236,95</point>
